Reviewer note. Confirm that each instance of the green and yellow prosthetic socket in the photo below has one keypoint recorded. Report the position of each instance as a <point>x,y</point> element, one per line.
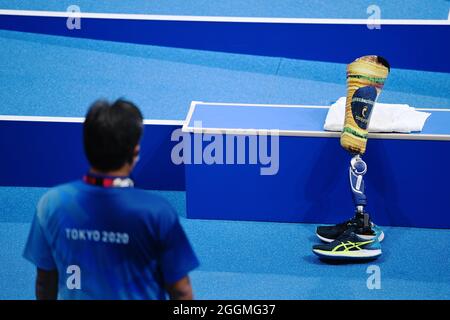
<point>365,80</point>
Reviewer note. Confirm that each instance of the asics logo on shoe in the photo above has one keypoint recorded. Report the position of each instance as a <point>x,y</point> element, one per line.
<point>348,246</point>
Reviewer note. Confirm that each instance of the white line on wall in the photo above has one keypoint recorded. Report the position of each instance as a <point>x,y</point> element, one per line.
<point>129,16</point>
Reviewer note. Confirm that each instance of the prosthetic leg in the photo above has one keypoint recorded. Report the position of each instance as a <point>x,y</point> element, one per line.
<point>357,238</point>
<point>357,170</point>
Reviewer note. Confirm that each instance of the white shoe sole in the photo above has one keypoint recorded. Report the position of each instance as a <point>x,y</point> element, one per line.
<point>360,254</point>
<point>364,237</point>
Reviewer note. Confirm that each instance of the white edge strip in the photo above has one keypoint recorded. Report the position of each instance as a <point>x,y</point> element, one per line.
<point>316,134</point>
<point>292,106</point>
<point>325,134</point>
<point>189,115</point>
<point>41,119</point>
<point>129,16</point>
<point>165,122</point>
<point>432,109</point>
<point>261,105</point>
<point>80,120</point>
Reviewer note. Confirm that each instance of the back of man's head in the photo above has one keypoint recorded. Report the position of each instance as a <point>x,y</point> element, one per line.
<point>111,133</point>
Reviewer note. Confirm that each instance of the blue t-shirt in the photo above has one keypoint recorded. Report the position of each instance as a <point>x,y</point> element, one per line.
<point>120,243</point>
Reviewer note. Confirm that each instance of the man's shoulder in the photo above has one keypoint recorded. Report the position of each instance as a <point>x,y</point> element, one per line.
<point>56,196</point>
<point>59,190</point>
<point>137,200</point>
<point>145,206</point>
<point>149,200</point>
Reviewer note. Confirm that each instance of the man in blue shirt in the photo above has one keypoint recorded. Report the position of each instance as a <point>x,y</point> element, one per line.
<point>100,238</point>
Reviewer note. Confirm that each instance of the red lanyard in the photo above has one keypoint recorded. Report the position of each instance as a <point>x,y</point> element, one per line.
<point>108,182</point>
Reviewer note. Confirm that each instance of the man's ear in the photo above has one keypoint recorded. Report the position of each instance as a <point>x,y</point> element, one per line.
<point>136,153</point>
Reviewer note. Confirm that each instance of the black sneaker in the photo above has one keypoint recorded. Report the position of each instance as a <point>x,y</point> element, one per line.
<point>349,246</point>
<point>331,233</point>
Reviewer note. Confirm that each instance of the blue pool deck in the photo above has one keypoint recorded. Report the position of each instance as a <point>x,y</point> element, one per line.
<point>256,260</point>
<point>56,76</point>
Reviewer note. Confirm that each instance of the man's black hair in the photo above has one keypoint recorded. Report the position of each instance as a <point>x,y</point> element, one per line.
<point>111,132</point>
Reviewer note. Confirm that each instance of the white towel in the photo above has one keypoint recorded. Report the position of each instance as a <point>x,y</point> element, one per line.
<point>385,118</point>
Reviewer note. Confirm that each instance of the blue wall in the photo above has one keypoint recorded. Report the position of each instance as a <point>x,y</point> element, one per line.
<point>420,47</point>
<point>44,154</point>
<point>406,184</point>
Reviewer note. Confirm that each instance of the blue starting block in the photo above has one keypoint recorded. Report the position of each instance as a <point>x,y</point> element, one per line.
<point>276,163</point>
